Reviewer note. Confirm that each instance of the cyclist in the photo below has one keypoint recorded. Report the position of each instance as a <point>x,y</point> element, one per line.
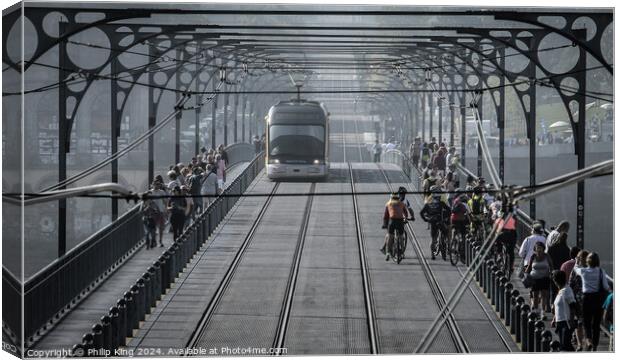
<point>436,213</point>
<point>393,219</point>
<point>402,192</point>
<point>507,238</point>
<point>477,207</point>
<point>459,215</point>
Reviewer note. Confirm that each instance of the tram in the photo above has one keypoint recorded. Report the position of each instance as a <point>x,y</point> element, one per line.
<point>297,133</point>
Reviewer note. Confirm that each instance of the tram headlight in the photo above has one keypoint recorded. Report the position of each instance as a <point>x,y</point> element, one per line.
<point>317,162</point>
<point>274,161</point>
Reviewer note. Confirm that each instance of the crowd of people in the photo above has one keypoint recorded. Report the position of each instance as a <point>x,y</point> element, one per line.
<point>565,283</point>
<point>192,185</point>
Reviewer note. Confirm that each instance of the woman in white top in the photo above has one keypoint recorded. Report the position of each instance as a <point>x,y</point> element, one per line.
<point>209,185</point>
<point>595,287</point>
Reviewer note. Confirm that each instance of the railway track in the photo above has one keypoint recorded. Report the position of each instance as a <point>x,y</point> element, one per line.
<point>221,290</point>
<point>287,303</point>
<point>366,280</point>
<point>440,298</point>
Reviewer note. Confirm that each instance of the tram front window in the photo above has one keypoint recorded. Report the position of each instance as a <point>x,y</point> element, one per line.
<point>297,142</point>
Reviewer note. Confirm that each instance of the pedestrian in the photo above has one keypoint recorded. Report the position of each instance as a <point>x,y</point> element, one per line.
<point>256,143</point>
<point>177,206</point>
<point>376,151</point>
<point>194,183</point>
<point>564,311</point>
<point>562,227</point>
<point>157,192</point>
<point>221,172</point>
<point>414,152</point>
<point>209,184</point>
<point>174,180</point>
<point>426,155</point>
<point>539,270</point>
<point>149,219</point>
<point>527,246</point>
<point>223,154</point>
<point>189,209</point>
<point>568,265</point>
<point>595,290</point>
<point>574,281</point>
<point>559,251</point>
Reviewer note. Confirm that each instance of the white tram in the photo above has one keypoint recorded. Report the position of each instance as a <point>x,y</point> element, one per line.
<point>297,134</point>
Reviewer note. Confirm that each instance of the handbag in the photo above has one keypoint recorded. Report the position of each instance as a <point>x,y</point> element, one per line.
<point>528,281</point>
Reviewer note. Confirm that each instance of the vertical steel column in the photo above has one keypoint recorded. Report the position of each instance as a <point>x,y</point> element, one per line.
<point>440,115</point>
<point>430,117</point>
<point>226,115</point>
<point>213,114</point>
<point>463,128</point>
<point>63,138</point>
<point>452,117</point>
<point>197,111</point>
<point>236,104</point>
<point>423,117</point>
<point>152,115</point>
<point>245,100</point>
<point>178,116</point>
<point>501,122</point>
<point>532,134</point>
<point>581,138</point>
<point>115,116</point>
<point>479,162</point>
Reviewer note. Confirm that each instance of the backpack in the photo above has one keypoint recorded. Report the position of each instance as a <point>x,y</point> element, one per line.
<point>458,211</point>
<point>195,185</point>
<point>477,205</point>
<point>609,315</point>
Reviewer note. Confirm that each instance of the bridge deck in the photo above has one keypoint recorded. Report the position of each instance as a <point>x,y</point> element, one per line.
<point>327,310</point>
<point>80,320</point>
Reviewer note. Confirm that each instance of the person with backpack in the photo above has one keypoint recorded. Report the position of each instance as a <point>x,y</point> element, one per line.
<point>177,206</point>
<point>459,215</point>
<point>149,219</point>
<point>426,155</point>
<point>194,182</point>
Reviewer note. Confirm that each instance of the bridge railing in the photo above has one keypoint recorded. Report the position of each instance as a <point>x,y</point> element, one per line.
<point>118,324</point>
<point>53,291</point>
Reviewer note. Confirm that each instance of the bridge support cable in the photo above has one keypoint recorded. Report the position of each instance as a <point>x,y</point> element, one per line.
<point>486,155</point>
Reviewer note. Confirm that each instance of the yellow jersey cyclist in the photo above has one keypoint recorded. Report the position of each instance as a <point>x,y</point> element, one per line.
<point>394,218</point>
<point>477,210</point>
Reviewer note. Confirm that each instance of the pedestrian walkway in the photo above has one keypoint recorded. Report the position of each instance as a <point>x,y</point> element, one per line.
<point>69,331</point>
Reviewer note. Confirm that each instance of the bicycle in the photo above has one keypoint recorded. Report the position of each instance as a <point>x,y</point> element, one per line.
<point>398,246</point>
<point>457,247</point>
<point>439,245</point>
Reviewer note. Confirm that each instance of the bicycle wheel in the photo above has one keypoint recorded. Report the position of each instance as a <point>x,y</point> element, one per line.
<point>443,241</point>
<point>453,249</point>
<point>435,246</point>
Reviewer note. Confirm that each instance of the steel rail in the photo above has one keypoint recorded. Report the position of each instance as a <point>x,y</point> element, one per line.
<point>455,332</point>
<point>223,286</point>
<point>366,281</point>
<point>287,303</point>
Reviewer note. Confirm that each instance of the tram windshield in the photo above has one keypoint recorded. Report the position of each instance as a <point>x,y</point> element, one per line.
<point>297,141</point>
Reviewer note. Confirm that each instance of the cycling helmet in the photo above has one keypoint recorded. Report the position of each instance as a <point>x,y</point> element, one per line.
<point>435,188</point>
<point>395,196</point>
<point>402,190</point>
